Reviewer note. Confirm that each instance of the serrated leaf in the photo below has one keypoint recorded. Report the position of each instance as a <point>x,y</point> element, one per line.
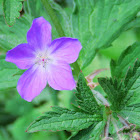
<point>97,23</point>
<point>132,79</point>
<point>12,10</point>
<point>63,119</point>
<point>132,76</point>
<point>127,59</point>
<point>77,109</point>
<point>86,99</point>
<point>132,107</point>
<point>125,96</point>
<point>116,92</point>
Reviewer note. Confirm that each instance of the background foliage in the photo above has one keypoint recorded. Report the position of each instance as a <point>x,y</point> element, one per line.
<point>109,31</point>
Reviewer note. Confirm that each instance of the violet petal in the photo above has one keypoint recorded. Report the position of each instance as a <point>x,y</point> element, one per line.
<point>39,35</point>
<point>60,76</point>
<point>32,82</point>
<point>65,49</point>
<point>22,55</point>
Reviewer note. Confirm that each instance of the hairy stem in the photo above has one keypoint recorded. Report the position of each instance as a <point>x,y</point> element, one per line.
<point>126,124</point>
<point>123,121</point>
<point>59,29</point>
<point>91,76</point>
<point>100,97</point>
<point>116,128</point>
<point>106,130</point>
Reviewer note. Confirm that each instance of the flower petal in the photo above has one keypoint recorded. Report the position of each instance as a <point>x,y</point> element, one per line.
<point>32,82</point>
<point>65,49</point>
<point>22,55</point>
<point>60,76</point>
<point>39,35</point>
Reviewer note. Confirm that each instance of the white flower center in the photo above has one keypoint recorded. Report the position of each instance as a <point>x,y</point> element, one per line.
<point>43,59</point>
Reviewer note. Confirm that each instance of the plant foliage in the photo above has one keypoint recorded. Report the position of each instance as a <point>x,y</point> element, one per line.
<point>12,10</point>
<point>97,24</point>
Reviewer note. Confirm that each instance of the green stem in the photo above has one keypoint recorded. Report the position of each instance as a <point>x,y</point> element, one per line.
<point>53,17</point>
<point>59,29</point>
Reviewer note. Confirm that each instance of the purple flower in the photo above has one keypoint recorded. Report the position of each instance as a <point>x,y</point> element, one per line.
<point>46,60</point>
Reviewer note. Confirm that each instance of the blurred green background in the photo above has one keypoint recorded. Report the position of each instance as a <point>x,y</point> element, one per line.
<point>17,114</point>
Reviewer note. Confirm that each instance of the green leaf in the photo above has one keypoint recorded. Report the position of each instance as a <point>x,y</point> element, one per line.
<point>12,10</point>
<point>131,114</point>
<point>83,134</point>
<point>8,75</point>
<point>132,78</point>
<point>63,119</point>
<point>97,23</point>
<point>134,24</point>
<point>127,59</point>
<point>10,37</point>
<point>125,96</point>
<point>6,65</point>
<point>86,99</point>
<point>104,20</point>
<point>7,79</point>
<point>91,133</point>
<point>132,82</point>
<point>96,133</point>
<point>35,9</point>
<point>116,92</point>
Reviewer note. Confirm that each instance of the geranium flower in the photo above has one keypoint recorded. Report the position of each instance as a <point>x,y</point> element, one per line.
<point>46,60</point>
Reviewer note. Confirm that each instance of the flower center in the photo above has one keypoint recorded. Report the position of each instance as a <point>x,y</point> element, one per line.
<point>43,59</point>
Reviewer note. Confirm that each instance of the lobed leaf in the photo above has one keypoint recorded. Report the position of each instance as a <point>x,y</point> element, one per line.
<point>127,92</point>
<point>116,92</point>
<point>86,99</point>
<point>127,59</point>
<point>131,112</point>
<point>63,119</point>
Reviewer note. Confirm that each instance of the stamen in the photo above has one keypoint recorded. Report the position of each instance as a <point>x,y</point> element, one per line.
<point>42,59</point>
